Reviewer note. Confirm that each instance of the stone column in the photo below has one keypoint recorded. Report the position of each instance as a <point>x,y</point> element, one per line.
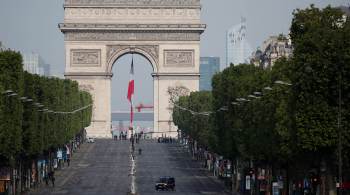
<point>155,106</point>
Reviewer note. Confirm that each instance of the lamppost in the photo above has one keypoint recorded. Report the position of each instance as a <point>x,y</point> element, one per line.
<point>340,24</point>
<point>340,134</point>
<point>255,96</point>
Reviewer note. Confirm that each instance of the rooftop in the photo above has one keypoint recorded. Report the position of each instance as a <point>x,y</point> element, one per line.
<point>345,9</point>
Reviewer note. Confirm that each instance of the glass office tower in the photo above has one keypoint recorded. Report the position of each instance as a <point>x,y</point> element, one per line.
<point>238,50</point>
<point>208,67</point>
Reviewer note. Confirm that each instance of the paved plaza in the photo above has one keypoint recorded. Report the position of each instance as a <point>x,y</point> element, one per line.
<point>103,168</point>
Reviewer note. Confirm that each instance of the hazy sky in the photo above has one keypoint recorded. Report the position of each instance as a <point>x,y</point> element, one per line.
<point>31,26</point>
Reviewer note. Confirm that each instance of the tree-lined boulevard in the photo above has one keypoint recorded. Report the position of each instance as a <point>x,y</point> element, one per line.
<point>287,125</point>
<point>103,167</point>
<point>261,130</point>
<point>40,117</point>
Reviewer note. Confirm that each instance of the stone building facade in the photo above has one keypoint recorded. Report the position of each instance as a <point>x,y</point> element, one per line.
<point>272,49</point>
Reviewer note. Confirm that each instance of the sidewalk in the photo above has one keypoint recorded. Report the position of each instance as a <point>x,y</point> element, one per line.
<point>65,173</point>
<point>208,173</point>
<point>99,168</point>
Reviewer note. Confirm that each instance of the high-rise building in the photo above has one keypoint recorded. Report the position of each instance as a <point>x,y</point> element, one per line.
<point>34,64</point>
<point>238,49</point>
<point>208,67</point>
<point>272,49</point>
<point>2,47</point>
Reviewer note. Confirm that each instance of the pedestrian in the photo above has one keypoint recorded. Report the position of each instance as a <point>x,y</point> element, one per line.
<point>140,151</point>
<point>46,179</point>
<point>68,161</point>
<point>53,178</point>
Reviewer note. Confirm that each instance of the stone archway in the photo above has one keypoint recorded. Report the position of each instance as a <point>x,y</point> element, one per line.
<point>150,52</point>
<point>166,32</point>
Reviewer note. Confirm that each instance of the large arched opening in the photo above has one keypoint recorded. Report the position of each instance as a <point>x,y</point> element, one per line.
<point>143,99</point>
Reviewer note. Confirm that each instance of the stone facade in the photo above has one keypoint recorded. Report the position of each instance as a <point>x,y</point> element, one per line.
<point>273,48</point>
<point>166,32</point>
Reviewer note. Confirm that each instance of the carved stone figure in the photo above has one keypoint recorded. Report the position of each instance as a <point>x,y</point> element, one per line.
<point>86,57</point>
<point>179,58</point>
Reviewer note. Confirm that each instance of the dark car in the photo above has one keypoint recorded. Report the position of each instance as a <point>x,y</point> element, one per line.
<point>165,183</point>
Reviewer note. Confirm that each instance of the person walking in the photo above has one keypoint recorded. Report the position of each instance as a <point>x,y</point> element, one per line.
<point>46,179</point>
<point>52,178</point>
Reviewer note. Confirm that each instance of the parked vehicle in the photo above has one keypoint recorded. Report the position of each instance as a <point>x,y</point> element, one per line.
<point>165,183</point>
<point>90,140</point>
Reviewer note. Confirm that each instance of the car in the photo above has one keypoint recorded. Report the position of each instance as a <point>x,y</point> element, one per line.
<point>90,140</point>
<point>165,183</point>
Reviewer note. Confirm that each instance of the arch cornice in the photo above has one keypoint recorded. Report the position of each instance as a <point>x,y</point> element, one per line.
<point>142,3</point>
<point>150,52</point>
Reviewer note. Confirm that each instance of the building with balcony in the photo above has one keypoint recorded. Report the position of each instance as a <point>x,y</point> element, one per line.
<point>272,49</point>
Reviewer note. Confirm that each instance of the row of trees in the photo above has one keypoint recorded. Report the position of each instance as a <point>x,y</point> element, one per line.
<point>30,124</point>
<point>296,126</point>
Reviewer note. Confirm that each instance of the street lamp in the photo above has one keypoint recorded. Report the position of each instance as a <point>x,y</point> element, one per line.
<point>283,83</point>
<point>7,92</point>
<point>340,24</point>
<point>252,96</point>
<point>340,134</point>
<point>29,100</point>
<point>268,88</point>
<point>235,103</point>
<point>224,108</point>
<point>242,100</point>
<point>38,105</point>
<point>23,99</point>
<point>12,94</point>
<point>257,93</point>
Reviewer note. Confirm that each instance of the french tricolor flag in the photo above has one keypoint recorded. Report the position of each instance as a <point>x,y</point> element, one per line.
<point>131,89</point>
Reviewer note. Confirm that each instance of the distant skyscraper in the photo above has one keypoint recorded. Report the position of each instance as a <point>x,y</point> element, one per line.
<point>34,64</point>
<point>2,47</point>
<point>208,67</point>
<point>238,50</point>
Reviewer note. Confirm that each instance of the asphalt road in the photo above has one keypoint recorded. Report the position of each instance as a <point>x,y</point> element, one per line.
<point>160,159</point>
<point>103,167</point>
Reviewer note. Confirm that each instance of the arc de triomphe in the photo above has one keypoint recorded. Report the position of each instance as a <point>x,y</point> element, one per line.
<point>98,32</point>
